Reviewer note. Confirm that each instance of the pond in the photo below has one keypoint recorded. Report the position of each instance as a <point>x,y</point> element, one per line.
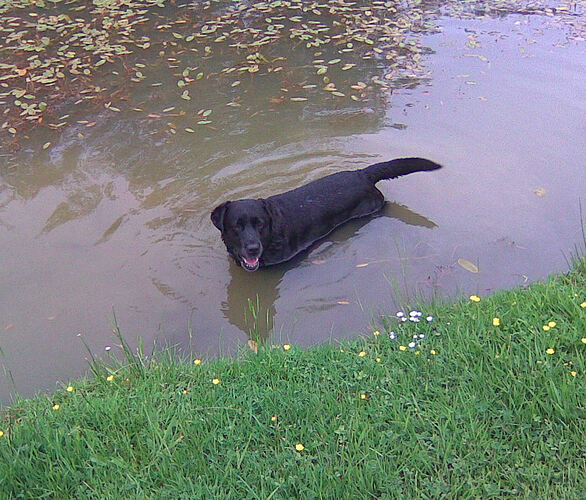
<point>105,201</point>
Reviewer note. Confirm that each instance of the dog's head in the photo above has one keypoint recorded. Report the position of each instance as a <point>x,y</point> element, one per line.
<point>245,228</point>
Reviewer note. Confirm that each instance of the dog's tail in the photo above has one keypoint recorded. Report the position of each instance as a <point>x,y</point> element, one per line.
<point>398,167</point>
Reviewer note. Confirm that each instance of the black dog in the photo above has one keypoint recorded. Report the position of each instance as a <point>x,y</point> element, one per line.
<point>268,231</point>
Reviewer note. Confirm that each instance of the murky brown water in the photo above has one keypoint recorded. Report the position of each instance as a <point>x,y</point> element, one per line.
<point>115,217</point>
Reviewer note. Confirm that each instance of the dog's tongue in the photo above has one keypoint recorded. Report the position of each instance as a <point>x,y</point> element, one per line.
<point>251,262</point>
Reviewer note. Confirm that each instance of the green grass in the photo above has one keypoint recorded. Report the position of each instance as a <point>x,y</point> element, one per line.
<point>474,411</point>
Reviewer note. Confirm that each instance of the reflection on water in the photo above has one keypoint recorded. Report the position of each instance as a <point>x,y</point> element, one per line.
<point>115,213</point>
<point>261,289</point>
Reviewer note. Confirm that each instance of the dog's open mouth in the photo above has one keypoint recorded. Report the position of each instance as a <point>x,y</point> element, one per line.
<point>250,264</point>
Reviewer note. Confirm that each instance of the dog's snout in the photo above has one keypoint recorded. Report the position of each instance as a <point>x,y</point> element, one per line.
<point>253,249</point>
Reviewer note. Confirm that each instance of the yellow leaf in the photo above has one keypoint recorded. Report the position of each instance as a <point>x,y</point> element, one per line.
<point>469,266</point>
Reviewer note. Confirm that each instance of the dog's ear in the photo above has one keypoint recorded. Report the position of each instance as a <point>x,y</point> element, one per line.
<point>218,215</point>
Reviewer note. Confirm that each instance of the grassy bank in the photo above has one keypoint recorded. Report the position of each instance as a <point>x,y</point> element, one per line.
<point>490,403</point>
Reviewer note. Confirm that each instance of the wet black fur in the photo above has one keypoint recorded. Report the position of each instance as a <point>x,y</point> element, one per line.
<point>277,228</point>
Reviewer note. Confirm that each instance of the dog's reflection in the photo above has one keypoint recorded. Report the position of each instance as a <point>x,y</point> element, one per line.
<point>250,304</point>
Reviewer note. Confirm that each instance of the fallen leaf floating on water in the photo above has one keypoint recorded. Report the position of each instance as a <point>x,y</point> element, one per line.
<point>338,36</point>
<point>540,191</point>
<point>349,31</point>
<point>469,266</point>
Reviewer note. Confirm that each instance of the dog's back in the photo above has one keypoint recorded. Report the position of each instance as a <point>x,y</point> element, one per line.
<point>343,192</point>
<point>317,208</point>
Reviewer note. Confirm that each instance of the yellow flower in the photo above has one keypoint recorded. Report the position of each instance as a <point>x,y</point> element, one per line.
<point>546,327</point>
<point>1,433</point>
<point>583,305</point>
<point>362,354</point>
<point>573,374</point>
<point>299,447</point>
<point>551,324</point>
<point>56,407</point>
<point>286,347</point>
<point>550,351</point>
<point>583,340</point>
<point>110,378</point>
<point>433,352</point>
<point>197,362</point>
<point>70,388</point>
<point>274,418</point>
<point>363,396</point>
<point>215,381</point>
<point>402,348</point>
<point>474,298</point>
<point>378,360</point>
<point>496,321</point>
<point>376,333</point>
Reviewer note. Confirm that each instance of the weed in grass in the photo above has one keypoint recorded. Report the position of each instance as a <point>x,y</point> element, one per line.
<point>576,258</point>
<point>257,326</point>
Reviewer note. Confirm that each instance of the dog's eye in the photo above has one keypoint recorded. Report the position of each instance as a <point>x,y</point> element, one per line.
<point>257,223</point>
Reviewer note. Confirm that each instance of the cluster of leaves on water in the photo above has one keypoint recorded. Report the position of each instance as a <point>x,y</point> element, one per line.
<point>61,56</point>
